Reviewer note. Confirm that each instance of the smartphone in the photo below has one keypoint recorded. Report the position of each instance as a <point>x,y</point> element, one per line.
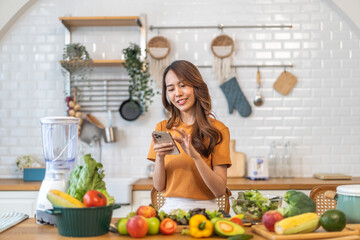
<point>165,137</point>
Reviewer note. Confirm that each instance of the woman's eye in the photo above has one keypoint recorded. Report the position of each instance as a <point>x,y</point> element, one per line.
<point>182,85</point>
<point>170,89</point>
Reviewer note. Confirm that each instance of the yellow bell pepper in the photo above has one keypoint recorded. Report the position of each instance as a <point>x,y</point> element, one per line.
<point>200,226</point>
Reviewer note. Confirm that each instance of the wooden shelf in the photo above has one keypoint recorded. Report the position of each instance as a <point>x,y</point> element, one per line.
<point>107,63</point>
<point>100,21</point>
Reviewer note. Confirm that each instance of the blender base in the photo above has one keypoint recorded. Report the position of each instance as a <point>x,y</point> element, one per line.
<point>43,218</point>
<point>43,203</point>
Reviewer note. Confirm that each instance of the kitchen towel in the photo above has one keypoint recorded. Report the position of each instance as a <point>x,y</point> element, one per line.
<point>235,97</point>
<point>7,220</point>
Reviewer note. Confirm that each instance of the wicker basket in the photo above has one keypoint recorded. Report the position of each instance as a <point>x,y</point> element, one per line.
<point>158,47</point>
<point>222,46</point>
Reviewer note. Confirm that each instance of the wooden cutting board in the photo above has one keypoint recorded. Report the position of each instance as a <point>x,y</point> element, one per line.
<point>332,176</point>
<point>238,160</point>
<point>285,83</point>
<point>347,233</point>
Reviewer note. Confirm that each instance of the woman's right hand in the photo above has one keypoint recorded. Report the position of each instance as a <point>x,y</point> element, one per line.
<point>163,149</point>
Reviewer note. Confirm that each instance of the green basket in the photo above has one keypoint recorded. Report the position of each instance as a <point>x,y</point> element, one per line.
<point>83,222</point>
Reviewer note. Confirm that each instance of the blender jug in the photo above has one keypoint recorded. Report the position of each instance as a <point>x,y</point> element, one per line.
<point>59,136</point>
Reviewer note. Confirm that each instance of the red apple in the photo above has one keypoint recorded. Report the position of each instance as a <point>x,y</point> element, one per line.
<point>146,211</point>
<point>137,226</point>
<point>270,218</point>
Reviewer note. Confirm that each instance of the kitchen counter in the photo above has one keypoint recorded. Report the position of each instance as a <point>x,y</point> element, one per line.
<point>271,184</point>
<point>18,185</point>
<point>32,231</point>
<point>232,184</point>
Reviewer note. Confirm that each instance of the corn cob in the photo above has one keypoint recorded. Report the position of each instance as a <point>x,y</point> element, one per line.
<point>303,223</point>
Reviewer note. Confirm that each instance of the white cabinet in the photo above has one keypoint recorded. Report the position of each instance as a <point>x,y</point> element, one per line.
<point>18,201</point>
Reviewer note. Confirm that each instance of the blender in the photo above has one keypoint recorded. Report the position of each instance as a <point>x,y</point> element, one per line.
<point>59,135</point>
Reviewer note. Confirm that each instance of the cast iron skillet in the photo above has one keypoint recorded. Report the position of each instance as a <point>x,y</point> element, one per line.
<point>130,110</point>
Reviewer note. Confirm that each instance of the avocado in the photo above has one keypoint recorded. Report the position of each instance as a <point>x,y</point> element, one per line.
<point>227,228</point>
<point>333,220</point>
<point>215,219</point>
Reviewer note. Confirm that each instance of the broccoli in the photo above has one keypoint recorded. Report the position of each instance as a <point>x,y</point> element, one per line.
<point>298,203</point>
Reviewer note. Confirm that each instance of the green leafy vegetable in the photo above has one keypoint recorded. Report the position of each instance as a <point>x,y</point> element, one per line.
<point>298,203</point>
<point>179,216</point>
<point>87,177</point>
<point>214,214</point>
<point>253,205</point>
<point>162,215</point>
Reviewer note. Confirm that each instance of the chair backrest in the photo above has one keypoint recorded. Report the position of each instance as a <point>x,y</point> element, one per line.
<point>323,203</point>
<point>158,200</point>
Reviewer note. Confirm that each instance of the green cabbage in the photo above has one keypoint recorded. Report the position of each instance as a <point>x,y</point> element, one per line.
<point>88,177</point>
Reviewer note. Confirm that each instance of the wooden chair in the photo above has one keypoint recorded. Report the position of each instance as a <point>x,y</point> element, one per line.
<point>323,203</point>
<point>158,200</point>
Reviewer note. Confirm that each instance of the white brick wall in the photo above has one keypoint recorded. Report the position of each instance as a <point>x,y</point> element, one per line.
<point>321,116</point>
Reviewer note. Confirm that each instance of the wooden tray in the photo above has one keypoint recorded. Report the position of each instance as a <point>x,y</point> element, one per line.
<point>347,233</point>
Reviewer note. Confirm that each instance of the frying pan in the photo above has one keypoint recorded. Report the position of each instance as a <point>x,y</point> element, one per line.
<point>130,110</point>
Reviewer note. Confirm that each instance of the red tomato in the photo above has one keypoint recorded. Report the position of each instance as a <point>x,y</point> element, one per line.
<point>94,198</point>
<point>237,221</point>
<point>168,226</point>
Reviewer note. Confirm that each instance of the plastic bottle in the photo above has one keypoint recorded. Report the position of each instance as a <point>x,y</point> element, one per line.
<point>287,160</point>
<point>272,158</point>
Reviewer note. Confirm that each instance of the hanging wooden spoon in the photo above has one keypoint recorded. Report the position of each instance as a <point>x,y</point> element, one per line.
<point>258,101</point>
<point>94,120</point>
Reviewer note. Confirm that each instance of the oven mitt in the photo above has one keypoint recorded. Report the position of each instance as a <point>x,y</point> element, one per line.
<point>235,97</point>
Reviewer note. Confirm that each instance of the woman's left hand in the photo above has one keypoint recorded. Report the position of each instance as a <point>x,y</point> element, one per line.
<point>185,141</point>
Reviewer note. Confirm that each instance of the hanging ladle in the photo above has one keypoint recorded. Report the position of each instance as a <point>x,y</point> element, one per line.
<point>258,101</point>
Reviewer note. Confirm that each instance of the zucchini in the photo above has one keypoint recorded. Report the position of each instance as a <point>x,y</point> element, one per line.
<point>61,199</point>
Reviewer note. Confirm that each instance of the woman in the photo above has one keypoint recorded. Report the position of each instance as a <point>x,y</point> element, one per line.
<point>196,176</point>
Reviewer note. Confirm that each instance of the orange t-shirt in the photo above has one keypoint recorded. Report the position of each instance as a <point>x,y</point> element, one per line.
<point>182,177</point>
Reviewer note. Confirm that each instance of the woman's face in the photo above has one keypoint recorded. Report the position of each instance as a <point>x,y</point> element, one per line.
<point>179,94</point>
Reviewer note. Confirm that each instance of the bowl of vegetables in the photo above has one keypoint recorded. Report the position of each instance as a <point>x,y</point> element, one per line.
<point>253,204</point>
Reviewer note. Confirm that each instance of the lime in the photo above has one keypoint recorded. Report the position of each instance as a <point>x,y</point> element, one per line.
<point>333,220</point>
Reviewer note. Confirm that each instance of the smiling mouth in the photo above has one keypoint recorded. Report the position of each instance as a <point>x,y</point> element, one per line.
<point>182,101</point>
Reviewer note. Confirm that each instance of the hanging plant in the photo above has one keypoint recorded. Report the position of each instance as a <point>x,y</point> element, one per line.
<point>76,58</point>
<point>76,64</point>
<point>140,84</point>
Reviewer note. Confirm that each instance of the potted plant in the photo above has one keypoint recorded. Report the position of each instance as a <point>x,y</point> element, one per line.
<point>77,62</point>
<point>140,84</point>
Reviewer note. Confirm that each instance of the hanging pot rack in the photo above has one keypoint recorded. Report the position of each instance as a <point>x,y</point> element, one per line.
<point>220,27</point>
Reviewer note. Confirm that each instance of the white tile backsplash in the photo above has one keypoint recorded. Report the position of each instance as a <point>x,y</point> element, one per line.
<point>321,116</point>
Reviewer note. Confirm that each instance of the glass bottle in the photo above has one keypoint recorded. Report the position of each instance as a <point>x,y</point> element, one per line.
<point>272,158</point>
<point>287,160</point>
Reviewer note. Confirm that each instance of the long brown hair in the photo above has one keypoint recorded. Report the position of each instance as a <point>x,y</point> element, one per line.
<point>203,138</point>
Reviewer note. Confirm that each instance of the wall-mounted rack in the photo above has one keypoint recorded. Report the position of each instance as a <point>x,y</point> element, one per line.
<point>220,27</point>
<point>99,95</point>
<point>253,66</point>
